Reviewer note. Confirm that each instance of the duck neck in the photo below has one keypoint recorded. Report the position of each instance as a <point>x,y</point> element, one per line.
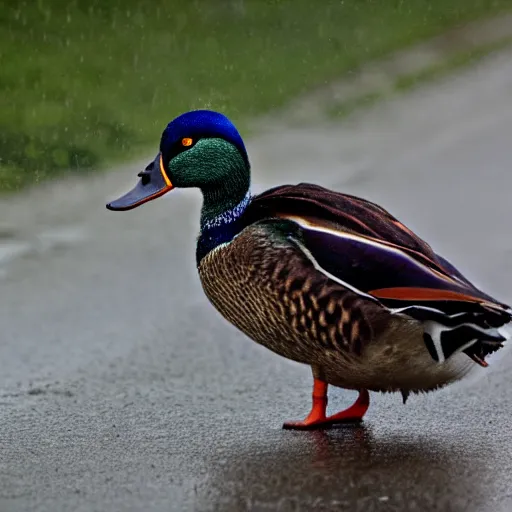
<point>221,214</point>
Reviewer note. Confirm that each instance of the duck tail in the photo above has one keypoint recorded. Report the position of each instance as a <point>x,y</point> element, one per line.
<point>477,333</point>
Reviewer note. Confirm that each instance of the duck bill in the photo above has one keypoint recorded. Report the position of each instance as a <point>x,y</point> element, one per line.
<point>153,183</point>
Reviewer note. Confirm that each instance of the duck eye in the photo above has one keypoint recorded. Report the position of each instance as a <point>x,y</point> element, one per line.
<point>186,142</point>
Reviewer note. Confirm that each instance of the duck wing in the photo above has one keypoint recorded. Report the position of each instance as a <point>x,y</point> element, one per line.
<point>366,249</point>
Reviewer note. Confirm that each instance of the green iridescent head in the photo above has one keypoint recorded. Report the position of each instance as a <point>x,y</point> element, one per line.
<point>200,149</point>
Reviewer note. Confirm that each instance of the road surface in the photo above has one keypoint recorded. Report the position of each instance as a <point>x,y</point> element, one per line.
<point>121,389</point>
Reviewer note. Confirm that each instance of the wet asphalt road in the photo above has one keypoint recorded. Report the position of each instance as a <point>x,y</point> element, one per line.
<point>121,389</point>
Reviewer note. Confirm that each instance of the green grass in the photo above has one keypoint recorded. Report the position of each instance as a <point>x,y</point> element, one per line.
<point>342,109</point>
<point>457,61</point>
<point>409,81</point>
<point>86,83</point>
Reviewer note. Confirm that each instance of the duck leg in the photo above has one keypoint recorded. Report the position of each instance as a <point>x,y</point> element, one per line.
<point>317,417</point>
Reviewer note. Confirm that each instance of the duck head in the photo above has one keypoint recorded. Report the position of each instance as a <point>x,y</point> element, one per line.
<point>200,149</point>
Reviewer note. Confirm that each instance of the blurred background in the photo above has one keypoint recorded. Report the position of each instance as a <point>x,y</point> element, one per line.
<point>121,388</point>
<point>87,83</point>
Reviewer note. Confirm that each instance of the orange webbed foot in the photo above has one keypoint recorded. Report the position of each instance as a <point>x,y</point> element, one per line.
<point>317,418</point>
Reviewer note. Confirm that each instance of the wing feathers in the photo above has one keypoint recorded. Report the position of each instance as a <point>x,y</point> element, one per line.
<point>411,294</point>
<point>456,316</point>
<point>364,248</point>
<point>378,269</point>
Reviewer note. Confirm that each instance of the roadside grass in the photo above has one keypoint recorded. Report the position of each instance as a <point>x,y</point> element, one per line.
<point>408,81</point>
<point>84,84</point>
<point>457,61</point>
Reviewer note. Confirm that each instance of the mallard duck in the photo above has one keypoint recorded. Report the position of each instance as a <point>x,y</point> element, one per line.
<point>321,277</point>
